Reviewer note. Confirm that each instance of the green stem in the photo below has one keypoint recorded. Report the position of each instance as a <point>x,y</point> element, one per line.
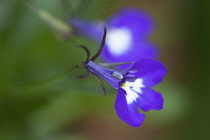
<point>50,80</point>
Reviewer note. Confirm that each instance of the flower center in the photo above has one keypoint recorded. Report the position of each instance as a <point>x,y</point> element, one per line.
<point>118,40</point>
<point>132,89</point>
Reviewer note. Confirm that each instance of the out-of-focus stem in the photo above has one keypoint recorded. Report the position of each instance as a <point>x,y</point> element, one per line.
<point>41,83</point>
<point>61,29</point>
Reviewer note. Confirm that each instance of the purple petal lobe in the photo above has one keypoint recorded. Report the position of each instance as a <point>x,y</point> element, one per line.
<point>93,30</point>
<point>131,52</point>
<point>151,71</point>
<point>128,112</point>
<point>127,37</point>
<point>150,100</point>
<point>139,22</point>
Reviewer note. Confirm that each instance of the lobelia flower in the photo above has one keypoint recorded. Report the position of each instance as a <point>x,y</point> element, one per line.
<point>133,86</point>
<point>127,36</point>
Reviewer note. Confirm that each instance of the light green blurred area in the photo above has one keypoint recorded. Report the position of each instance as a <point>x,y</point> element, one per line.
<point>69,108</point>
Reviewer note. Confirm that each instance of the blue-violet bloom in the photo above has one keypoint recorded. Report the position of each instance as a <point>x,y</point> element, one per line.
<point>134,86</point>
<point>127,37</point>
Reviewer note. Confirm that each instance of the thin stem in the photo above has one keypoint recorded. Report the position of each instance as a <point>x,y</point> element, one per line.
<point>101,46</point>
<point>50,80</point>
<point>84,75</point>
<point>101,83</point>
<point>86,50</point>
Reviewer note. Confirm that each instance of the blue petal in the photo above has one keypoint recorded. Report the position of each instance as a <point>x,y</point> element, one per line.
<point>128,112</point>
<point>139,25</point>
<point>137,50</point>
<point>92,30</point>
<point>151,71</point>
<point>139,22</point>
<point>150,100</point>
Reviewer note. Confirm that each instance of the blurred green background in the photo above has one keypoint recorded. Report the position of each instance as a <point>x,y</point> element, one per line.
<point>70,109</point>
